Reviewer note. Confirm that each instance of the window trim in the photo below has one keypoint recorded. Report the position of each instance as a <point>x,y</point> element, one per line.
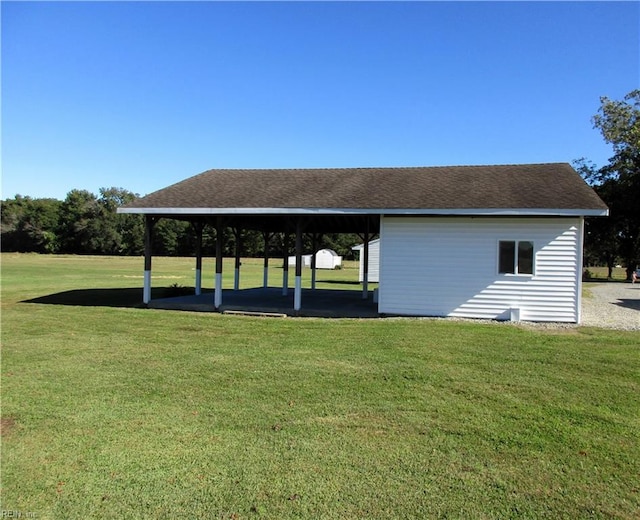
<point>516,257</point>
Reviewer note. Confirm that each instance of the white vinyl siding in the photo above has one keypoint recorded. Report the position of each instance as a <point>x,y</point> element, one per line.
<point>441,266</point>
<point>374,261</point>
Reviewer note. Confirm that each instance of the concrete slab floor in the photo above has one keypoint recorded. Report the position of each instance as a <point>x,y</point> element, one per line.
<point>324,303</point>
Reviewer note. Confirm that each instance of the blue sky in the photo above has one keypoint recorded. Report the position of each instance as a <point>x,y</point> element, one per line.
<point>142,95</point>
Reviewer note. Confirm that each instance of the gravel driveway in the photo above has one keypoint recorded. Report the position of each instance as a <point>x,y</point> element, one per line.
<point>613,305</point>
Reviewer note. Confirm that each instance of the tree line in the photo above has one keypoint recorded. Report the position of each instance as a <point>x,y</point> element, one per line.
<point>88,224</point>
<point>85,223</point>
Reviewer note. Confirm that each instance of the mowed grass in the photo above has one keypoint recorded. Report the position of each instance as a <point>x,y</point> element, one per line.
<point>618,274</point>
<point>116,411</point>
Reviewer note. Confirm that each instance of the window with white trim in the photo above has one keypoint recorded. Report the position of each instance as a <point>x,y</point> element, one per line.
<point>515,257</point>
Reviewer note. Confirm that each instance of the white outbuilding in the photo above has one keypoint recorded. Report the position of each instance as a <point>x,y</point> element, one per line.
<point>374,261</point>
<point>328,259</point>
<point>306,260</point>
<point>325,259</point>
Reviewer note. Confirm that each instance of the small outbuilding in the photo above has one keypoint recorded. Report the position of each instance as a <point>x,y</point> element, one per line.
<point>328,259</point>
<point>374,261</point>
<point>325,259</point>
<point>306,260</point>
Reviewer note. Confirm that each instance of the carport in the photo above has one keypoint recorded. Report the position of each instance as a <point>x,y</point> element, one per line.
<point>454,213</point>
<point>294,202</point>
<point>293,224</point>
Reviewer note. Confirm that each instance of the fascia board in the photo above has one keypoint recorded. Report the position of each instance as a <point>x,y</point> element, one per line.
<point>373,211</point>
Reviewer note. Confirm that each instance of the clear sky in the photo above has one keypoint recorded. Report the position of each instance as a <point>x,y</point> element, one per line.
<point>142,95</point>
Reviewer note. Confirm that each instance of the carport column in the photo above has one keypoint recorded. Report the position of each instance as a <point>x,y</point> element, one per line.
<point>265,278</point>
<point>315,239</point>
<point>198,227</point>
<point>217,297</point>
<point>236,277</point>
<point>297,295</point>
<point>285,266</point>
<point>365,264</point>
<point>148,240</point>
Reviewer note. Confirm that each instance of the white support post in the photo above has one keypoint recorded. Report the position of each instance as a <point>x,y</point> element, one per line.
<point>198,226</point>
<point>146,293</point>
<point>148,254</point>
<point>314,247</point>
<point>217,297</point>
<point>237,232</point>
<point>297,295</point>
<point>265,276</point>
<point>236,279</point>
<point>198,282</point>
<point>285,282</point>
<point>313,267</point>
<point>365,266</point>
<point>285,266</point>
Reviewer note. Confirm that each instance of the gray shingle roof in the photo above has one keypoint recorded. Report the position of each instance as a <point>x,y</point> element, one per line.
<point>553,186</point>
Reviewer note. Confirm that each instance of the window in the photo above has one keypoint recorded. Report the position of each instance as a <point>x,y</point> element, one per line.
<point>515,257</point>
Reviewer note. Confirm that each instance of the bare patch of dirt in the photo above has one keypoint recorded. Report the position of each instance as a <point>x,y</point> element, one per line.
<point>7,424</point>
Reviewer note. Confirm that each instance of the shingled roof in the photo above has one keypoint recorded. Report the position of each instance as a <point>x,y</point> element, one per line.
<point>550,189</point>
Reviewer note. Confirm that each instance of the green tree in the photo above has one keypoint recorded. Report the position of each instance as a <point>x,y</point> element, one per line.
<point>30,225</point>
<point>123,233</point>
<point>79,227</point>
<point>618,183</point>
<point>173,238</point>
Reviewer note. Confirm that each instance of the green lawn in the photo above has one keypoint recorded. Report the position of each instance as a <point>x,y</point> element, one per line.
<point>110,410</point>
<point>618,274</point>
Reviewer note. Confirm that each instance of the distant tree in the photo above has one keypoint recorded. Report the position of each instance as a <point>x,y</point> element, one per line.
<point>79,223</point>
<point>618,183</point>
<point>342,243</point>
<point>124,233</point>
<point>172,238</point>
<point>600,234</point>
<point>30,225</point>
<point>88,224</point>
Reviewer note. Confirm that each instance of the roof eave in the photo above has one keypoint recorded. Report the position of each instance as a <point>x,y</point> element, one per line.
<point>558,212</point>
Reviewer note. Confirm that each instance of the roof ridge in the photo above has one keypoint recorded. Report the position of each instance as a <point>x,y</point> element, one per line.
<point>334,168</point>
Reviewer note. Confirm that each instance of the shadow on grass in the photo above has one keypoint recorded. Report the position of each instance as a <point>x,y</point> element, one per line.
<point>605,280</point>
<point>338,282</point>
<point>325,303</point>
<point>125,297</point>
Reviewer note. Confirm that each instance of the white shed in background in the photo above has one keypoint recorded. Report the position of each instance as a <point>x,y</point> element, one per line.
<point>325,259</point>
<point>306,260</point>
<point>374,260</point>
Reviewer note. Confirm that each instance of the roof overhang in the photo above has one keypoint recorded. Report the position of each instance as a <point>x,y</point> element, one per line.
<point>498,212</point>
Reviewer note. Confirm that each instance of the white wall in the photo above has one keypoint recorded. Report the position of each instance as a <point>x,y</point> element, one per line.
<point>374,261</point>
<point>447,266</point>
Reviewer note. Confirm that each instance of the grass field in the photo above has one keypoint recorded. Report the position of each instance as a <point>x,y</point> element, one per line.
<point>110,410</point>
<point>599,274</point>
